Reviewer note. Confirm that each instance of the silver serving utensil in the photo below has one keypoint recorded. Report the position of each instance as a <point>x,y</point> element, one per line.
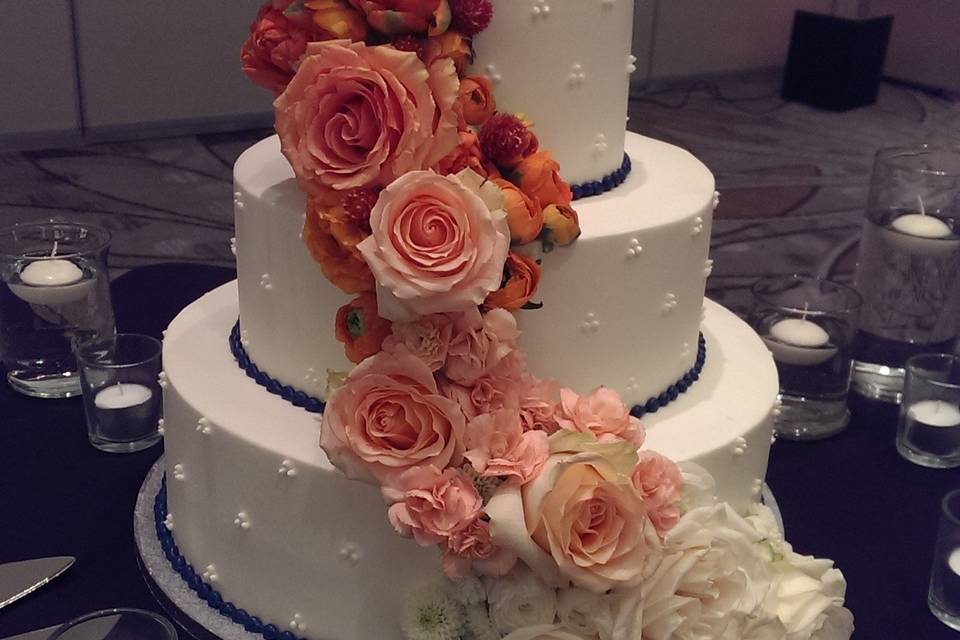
<point>18,579</point>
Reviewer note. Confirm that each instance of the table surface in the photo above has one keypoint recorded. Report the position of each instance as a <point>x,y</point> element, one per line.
<point>851,497</point>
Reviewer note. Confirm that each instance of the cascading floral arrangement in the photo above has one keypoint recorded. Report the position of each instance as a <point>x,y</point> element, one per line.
<point>551,520</point>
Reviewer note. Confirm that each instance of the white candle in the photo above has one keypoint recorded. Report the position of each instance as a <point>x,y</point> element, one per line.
<point>935,413</point>
<point>922,226</point>
<point>122,396</point>
<point>799,341</point>
<point>954,561</point>
<point>50,273</point>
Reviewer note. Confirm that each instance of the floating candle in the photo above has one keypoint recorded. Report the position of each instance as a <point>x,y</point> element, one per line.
<point>954,561</point>
<point>122,396</point>
<point>935,413</point>
<point>921,226</point>
<point>799,332</point>
<point>50,273</point>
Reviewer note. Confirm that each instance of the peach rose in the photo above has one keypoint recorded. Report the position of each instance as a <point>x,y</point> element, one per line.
<point>538,404</point>
<point>431,505</point>
<point>389,417</point>
<point>660,483</point>
<point>275,46</point>
<point>476,100</point>
<point>340,262</point>
<point>523,278</point>
<point>360,329</point>
<point>337,20</point>
<point>562,224</point>
<point>480,343</point>
<point>602,413</point>
<point>394,17</point>
<point>427,337</point>
<point>524,215</point>
<point>580,520</point>
<point>450,45</point>
<point>359,117</point>
<point>438,243</point>
<point>472,547</point>
<point>538,175</point>
<point>496,445</point>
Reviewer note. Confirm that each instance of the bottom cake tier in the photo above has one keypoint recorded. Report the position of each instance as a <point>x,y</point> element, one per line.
<point>264,519</point>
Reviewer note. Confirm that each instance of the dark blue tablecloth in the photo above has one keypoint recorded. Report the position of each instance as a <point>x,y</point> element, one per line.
<point>851,498</point>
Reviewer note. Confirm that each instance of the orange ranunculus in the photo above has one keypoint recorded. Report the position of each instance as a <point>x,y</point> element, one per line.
<point>538,176</point>
<point>524,214</point>
<point>360,328</point>
<point>451,45</point>
<point>465,155</point>
<point>337,20</point>
<point>523,278</point>
<point>561,223</point>
<point>340,262</point>
<point>394,17</point>
<point>476,100</point>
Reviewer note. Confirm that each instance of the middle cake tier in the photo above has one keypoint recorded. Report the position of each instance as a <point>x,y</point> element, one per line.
<point>620,308</point>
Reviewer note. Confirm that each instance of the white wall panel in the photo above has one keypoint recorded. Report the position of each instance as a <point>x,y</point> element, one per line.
<point>164,62</point>
<point>38,94</point>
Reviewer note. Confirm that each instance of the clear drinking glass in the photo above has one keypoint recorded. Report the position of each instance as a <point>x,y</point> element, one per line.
<point>121,391</point>
<point>908,269</point>
<point>928,432</point>
<point>944,595</point>
<point>54,292</point>
<point>808,324</point>
<point>117,624</point>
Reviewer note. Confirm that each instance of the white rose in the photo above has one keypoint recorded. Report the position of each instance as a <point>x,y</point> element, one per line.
<point>750,627</point>
<point>699,487</point>
<point>807,595</point>
<point>587,613</point>
<point>544,632</point>
<point>519,600</point>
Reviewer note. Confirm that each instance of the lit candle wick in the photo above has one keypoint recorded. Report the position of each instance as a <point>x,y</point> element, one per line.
<point>54,252</point>
<point>923,211</point>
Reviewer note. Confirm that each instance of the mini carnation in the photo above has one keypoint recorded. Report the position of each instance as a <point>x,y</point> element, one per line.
<point>506,140</point>
<point>470,17</point>
<point>430,613</point>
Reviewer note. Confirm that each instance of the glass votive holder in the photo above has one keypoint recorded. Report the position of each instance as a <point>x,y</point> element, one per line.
<point>117,624</point>
<point>943,598</point>
<point>928,432</point>
<point>54,292</point>
<point>907,265</point>
<point>121,391</point>
<point>808,324</point>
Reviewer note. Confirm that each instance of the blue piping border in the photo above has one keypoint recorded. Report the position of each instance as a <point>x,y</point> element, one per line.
<point>658,402</point>
<point>208,594</point>
<point>608,182</point>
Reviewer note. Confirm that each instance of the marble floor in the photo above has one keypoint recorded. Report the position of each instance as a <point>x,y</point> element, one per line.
<point>793,180</point>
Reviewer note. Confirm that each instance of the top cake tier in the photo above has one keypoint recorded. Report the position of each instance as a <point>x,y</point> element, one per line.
<point>564,64</point>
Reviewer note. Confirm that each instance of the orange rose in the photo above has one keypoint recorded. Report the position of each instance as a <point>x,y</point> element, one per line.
<point>523,278</point>
<point>336,20</point>
<point>476,100</point>
<point>451,45</point>
<point>562,224</point>
<point>538,176</point>
<point>341,263</point>
<point>360,328</point>
<point>524,214</point>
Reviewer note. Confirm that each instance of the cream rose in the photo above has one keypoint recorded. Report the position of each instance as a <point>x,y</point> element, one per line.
<point>519,600</point>
<point>438,244</point>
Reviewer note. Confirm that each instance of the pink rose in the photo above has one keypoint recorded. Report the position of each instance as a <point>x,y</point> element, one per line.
<point>432,505</point>
<point>480,343</point>
<point>580,520</point>
<point>659,481</point>
<point>472,547</point>
<point>486,395</point>
<point>389,417</point>
<point>358,117</point>
<point>275,46</point>
<point>538,404</point>
<point>601,413</point>
<point>496,445</point>
<point>438,244</point>
<point>427,337</point>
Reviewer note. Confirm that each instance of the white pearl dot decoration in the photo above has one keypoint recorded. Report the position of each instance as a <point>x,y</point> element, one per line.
<point>716,199</point>
<point>210,573</point>
<point>160,427</point>
<point>245,337</point>
<point>634,250</point>
<point>669,303</point>
<point>242,521</point>
<point>631,63</point>
<point>204,427</point>
<point>685,349</point>
<point>162,379</point>
<point>287,469</point>
<point>541,9</point>
<point>493,74</point>
<point>297,624</point>
<point>238,200</point>
<point>168,522</point>
<point>576,77</point>
<point>600,144</point>
<point>739,446</point>
<point>697,227</point>
<point>178,472</point>
<point>707,268</point>
<point>757,486</point>
<point>233,245</point>
<point>350,553</point>
<point>266,282</point>
<point>590,324</point>
<point>607,4</point>
<point>632,385</point>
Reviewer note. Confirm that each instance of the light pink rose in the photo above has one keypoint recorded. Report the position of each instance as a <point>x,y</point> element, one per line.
<point>472,547</point>
<point>275,46</point>
<point>660,483</point>
<point>538,404</point>
<point>496,445</point>
<point>427,337</point>
<point>356,116</point>
<point>438,244</point>
<point>481,343</point>
<point>389,417</point>
<point>579,520</point>
<point>601,413</point>
<point>433,504</point>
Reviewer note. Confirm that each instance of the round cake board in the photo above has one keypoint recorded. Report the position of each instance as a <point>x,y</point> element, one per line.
<point>181,602</point>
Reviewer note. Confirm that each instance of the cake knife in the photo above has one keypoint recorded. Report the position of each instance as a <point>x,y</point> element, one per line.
<point>18,579</point>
